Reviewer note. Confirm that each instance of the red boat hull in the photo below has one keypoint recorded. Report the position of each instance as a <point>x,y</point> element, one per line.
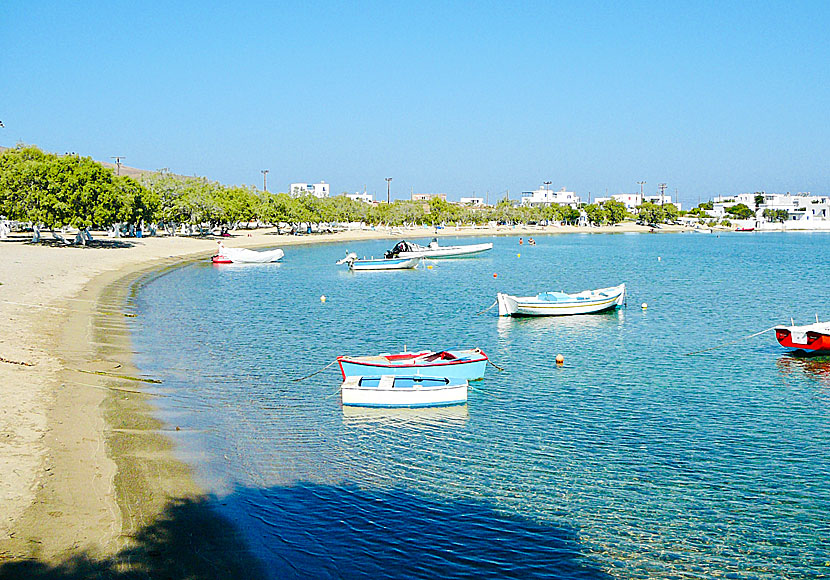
<point>221,260</point>
<point>816,342</point>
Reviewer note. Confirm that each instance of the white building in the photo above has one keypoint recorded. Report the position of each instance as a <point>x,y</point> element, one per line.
<point>364,197</point>
<point>722,202</point>
<point>629,200</point>
<point>474,201</point>
<point>802,207</point>
<point>317,189</point>
<point>541,197</point>
<point>661,200</point>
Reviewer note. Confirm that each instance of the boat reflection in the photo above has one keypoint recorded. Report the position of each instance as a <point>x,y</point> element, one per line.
<point>454,415</point>
<point>573,323</point>
<point>816,368</point>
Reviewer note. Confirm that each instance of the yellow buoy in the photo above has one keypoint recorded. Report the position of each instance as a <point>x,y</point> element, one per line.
<point>429,267</point>
<point>645,305</point>
<point>560,360</point>
<point>323,298</point>
<point>518,255</point>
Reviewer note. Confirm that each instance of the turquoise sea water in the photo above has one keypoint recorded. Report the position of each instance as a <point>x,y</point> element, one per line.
<point>633,460</point>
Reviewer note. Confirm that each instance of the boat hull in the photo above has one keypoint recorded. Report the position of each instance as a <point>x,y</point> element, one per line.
<point>385,264</point>
<point>245,256</point>
<point>596,301</point>
<point>448,251</point>
<point>468,365</point>
<point>811,338</point>
<point>403,391</point>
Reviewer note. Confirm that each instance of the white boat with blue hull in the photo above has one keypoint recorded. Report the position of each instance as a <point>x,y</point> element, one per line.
<point>467,364</point>
<point>403,391</point>
<point>561,303</point>
<point>378,263</point>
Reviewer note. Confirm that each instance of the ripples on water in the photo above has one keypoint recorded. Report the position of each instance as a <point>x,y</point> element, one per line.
<point>631,461</point>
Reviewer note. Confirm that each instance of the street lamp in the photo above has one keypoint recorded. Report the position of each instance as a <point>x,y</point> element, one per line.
<point>388,182</point>
<point>118,159</point>
<point>264,179</point>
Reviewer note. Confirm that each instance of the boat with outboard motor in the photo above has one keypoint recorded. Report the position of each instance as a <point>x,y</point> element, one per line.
<point>378,263</point>
<point>246,256</point>
<point>809,338</point>
<point>404,249</point>
<point>403,391</point>
<point>468,364</point>
<point>561,303</point>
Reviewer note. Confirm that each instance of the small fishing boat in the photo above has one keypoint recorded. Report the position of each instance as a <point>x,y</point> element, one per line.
<point>811,338</point>
<point>561,303</point>
<point>744,229</point>
<point>245,256</point>
<point>403,391</point>
<point>468,364</point>
<point>404,249</point>
<point>378,263</point>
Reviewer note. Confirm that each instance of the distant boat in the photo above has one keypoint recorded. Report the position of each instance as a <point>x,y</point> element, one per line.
<point>245,256</point>
<point>744,229</point>
<point>812,338</point>
<point>379,263</point>
<point>561,303</point>
<point>404,249</point>
<point>468,364</point>
<point>403,391</point>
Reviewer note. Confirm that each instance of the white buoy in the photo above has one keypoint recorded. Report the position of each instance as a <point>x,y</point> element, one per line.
<point>659,258</point>
<point>645,305</point>
<point>323,298</point>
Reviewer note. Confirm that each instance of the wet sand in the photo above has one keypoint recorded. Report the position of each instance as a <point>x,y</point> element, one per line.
<point>88,481</point>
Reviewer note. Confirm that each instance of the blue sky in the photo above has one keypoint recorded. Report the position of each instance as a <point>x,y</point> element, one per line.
<point>460,97</point>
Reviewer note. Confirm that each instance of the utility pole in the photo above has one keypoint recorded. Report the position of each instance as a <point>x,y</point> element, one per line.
<point>118,159</point>
<point>547,185</point>
<point>641,184</point>
<point>388,186</point>
<point>662,187</point>
<point>264,179</point>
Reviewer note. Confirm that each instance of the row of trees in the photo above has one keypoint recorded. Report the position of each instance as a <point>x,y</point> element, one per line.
<point>57,191</point>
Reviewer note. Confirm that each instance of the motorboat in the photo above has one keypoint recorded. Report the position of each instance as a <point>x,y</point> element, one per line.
<point>812,338</point>
<point>245,256</point>
<point>403,391</point>
<point>467,364</point>
<point>404,249</point>
<point>378,263</point>
<point>561,303</point>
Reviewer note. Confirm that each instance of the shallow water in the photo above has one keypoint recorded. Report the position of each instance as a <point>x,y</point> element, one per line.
<point>633,460</point>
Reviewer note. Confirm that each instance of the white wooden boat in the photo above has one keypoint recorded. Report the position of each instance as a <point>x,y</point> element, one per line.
<point>245,256</point>
<point>561,303</point>
<point>404,249</point>
<point>379,263</point>
<point>403,391</point>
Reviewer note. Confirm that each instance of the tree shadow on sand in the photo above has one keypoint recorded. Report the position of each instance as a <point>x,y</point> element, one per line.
<point>318,531</point>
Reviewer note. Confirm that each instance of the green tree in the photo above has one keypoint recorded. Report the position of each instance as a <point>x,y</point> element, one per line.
<point>740,211</point>
<point>615,211</point>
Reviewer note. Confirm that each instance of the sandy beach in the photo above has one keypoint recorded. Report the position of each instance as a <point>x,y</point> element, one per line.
<point>88,483</point>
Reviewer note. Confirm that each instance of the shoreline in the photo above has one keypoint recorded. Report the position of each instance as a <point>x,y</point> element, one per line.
<point>86,469</point>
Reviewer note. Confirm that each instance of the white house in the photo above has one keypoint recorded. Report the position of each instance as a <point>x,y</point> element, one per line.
<point>317,189</point>
<point>544,196</point>
<point>364,197</point>
<point>629,200</point>
<point>802,207</point>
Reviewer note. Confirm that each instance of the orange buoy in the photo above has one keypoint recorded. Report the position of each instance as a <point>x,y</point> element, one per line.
<point>495,275</point>
<point>560,360</point>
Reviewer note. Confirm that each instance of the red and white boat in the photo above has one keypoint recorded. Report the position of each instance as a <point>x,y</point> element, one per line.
<point>812,338</point>
<point>245,256</point>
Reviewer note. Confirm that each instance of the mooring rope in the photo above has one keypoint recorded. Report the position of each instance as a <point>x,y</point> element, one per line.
<point>488,308</point>
<point>730,342</point>
<point>315,372</point>
<point>494,364</point>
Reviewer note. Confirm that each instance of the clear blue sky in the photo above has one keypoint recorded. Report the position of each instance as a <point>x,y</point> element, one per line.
<point>458,97</point>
